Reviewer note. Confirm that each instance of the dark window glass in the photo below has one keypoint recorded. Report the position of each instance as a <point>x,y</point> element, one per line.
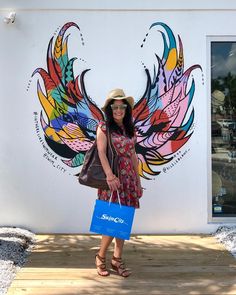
<point>223,128</point>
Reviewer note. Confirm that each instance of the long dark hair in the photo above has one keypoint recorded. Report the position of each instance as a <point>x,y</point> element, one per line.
<point>127,121</point>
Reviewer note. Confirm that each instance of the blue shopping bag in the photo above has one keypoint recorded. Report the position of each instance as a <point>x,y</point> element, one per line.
<point>112,219</point>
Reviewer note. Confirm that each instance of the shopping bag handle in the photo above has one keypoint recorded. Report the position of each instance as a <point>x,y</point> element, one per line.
<point>112,196</point>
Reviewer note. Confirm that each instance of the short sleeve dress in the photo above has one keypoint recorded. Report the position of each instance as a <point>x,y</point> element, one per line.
<point>128,191</point>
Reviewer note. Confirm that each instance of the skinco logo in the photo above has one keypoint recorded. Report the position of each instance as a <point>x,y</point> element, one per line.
<point>112,219</point>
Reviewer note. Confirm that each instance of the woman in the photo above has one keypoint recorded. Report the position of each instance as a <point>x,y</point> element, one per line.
<point>118,112</point>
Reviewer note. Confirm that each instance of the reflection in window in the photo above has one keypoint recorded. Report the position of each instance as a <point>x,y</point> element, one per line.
<point>223,128</point>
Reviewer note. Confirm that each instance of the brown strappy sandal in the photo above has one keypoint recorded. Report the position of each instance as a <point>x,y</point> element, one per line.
<point>120,268</point>
<point>101,268</point>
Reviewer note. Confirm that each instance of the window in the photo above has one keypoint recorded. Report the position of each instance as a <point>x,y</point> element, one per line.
<point>223,127</point>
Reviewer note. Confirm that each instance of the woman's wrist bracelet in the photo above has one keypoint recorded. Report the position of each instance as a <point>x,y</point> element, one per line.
<point>111,178</point>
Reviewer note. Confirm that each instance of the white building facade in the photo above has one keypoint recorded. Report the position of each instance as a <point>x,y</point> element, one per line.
<point>177,59</point>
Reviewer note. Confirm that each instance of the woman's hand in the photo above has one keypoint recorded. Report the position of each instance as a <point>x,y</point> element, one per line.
<point>113,183</point>
<point>135,161</point>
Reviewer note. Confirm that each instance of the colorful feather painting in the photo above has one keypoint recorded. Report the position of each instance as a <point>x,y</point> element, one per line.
<point>69,117</point>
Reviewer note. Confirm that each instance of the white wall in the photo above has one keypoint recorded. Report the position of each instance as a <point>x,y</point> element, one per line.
<point>36,195</point>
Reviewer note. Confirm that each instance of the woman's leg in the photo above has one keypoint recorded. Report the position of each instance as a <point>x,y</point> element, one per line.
<point>105,243</point>
<point>100,258</point>
<point>118,250</point>
<point>117,263</point>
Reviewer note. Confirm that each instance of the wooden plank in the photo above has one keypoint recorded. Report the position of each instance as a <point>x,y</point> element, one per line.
<point>184,278</point>
<point>64,264</point>
<point>151,291</point>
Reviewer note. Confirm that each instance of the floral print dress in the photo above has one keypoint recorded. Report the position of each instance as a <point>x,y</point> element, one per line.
<point>128,191</point>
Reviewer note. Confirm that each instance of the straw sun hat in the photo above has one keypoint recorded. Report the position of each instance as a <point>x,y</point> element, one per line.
<point>118,94</point>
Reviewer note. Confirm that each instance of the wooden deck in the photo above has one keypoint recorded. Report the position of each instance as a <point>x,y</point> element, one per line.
<point>193,265</point>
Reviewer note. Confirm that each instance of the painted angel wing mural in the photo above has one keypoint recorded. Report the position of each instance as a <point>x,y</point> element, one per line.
<point>72,117</point>
<point>160,116</point>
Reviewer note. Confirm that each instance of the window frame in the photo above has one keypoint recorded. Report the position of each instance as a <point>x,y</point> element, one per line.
<point>210,39</point>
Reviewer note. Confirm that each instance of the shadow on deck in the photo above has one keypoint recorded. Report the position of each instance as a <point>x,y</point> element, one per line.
<point>161,264</point>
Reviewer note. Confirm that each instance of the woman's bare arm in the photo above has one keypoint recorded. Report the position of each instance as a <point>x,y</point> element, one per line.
<point>112,180</point>
<point>134,159</point>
